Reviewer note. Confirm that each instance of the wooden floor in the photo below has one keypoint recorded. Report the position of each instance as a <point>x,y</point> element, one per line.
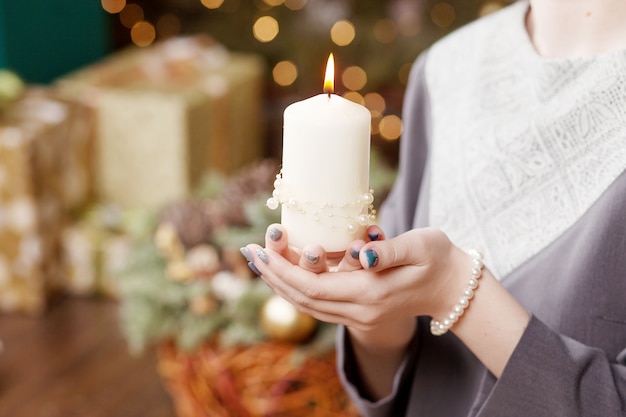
<point>74,362</point>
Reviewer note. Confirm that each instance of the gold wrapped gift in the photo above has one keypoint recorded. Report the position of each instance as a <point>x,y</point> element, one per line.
<point>76,173</point>
<point>95,249</point>
<point>33,134</point>
<point>167,114</point>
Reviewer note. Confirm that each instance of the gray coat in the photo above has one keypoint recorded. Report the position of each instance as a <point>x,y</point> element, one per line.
<point>571,360</point>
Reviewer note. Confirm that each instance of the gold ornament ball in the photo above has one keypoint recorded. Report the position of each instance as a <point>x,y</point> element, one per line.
<point>282,322</point>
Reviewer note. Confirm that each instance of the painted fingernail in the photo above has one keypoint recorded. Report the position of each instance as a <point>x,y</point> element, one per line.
<point>275,234</point>
<point>246,253</point>
<point>254,268</point>
<point>354,253</point>
<point>311,257</point>
<point>373,236</point>
<point>372,258</point>
<point>262,255</point>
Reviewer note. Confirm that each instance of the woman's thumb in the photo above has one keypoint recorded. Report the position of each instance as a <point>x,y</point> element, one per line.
<point>381,255</point>
<point>384,254</point>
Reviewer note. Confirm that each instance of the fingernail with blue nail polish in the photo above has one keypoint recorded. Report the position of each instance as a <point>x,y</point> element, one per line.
<point>262,255</point>
<point>275,234</point>
<point>254,268</point>
<point>374,236</point>
<point>246,253</point>
<point>311,257</point>
<point>372,258</point>
<point>354,253</point>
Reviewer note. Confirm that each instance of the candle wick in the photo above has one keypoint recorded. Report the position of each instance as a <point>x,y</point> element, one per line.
<point>329,95</point>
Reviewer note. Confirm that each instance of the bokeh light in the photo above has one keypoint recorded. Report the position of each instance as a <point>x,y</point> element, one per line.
<point>404,72</point>
<point>390,127</point>
<point>265,29</point>
<point>490,7</point>
<point>375,102</point>
<point>354,97</point>
<point>113,6</point>
<point>273,3</point>
<point>143,34</point>
<point>342,33</point>
<point>285,73</point>
<point>212,4</point>
<point>409,24</point>
<point>443,14</point>
<point>168,25</point>
<point>295,4</point>
<point>385,31</point>
<point>354,78</point>
<point>131,14</point>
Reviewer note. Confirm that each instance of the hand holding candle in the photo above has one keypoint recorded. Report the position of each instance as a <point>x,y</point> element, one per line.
<point>323,186</point>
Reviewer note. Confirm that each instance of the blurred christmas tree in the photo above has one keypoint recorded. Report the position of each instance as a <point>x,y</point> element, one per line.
<point>374,42</point>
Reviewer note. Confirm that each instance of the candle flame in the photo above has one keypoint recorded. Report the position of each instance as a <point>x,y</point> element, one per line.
<point>329,78</point>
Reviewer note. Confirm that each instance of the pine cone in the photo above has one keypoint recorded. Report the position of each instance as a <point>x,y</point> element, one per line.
<point>253,181</point>
<point>194,221</point>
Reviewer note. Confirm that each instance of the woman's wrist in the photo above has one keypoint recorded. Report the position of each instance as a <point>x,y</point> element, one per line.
<point>493,324</point>
<point>380,353</point>
<point>452,278</point>
<point>391,335</point>
<point>440,325</point>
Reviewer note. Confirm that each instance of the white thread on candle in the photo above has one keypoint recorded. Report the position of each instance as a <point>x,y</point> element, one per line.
<point>331,215</point>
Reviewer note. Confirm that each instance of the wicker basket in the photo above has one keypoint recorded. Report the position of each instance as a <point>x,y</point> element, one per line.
<point>258,381</point>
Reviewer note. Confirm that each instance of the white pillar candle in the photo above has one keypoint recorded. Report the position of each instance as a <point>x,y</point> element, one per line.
<point>323,187</point>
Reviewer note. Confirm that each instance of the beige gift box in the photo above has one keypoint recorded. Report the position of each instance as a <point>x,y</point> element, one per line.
<point>168,114</point>
<point>33,134</point>
<point>76,159</point>
<point>93,257</point>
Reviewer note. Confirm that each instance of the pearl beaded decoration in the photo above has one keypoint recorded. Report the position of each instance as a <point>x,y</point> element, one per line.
<point>324,212</point>
<point>438,328</point>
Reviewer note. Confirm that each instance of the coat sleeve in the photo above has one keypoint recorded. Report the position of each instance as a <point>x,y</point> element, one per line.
<point>551,374</point>
<point>394,404</point>
<point>571,360</point>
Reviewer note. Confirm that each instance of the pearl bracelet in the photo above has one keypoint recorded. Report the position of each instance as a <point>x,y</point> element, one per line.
<point>438,328</point>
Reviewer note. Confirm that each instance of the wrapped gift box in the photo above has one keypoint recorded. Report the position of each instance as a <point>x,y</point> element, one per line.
<point>92,259</point>
<point>33,136</point>
<point>76,173</point>
<point>166,115</point>
<point>96,248</point>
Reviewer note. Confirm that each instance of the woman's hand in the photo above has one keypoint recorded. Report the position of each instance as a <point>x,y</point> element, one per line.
<point>417,273</point>
<point>375,288</point>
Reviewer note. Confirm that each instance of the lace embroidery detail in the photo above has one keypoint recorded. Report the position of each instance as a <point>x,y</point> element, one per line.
<point>522,147</point>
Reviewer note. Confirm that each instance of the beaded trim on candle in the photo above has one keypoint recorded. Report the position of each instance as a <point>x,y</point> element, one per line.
<point>323,212</point>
